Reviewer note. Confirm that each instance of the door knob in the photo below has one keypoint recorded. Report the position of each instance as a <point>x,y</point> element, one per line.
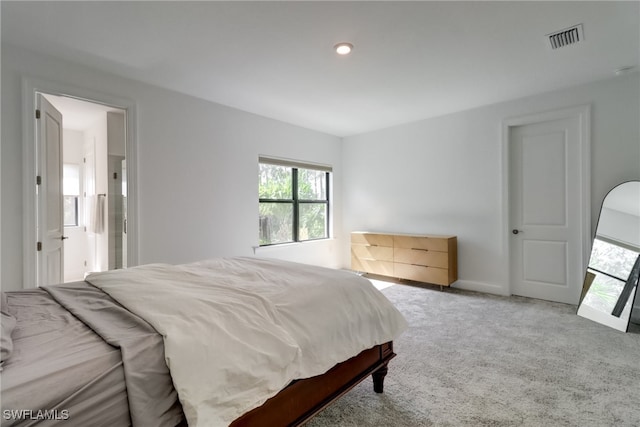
<point>514,231</point>
<point>64,237</point>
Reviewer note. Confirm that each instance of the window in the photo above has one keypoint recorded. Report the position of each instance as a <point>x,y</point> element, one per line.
<point>613,263</point>
<point>71,193</point>
<point>294,201</point>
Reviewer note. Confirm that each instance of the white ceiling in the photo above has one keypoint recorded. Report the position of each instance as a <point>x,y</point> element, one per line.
<point>411,60</point>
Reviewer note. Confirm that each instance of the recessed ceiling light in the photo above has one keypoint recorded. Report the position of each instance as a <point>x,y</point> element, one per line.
<point>343,48</point>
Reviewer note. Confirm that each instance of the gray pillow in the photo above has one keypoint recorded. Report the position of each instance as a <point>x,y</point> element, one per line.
<point>7,324</point>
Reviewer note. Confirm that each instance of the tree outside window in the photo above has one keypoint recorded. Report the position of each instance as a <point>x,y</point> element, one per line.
<point>613,264</point>
<point>294,202</point>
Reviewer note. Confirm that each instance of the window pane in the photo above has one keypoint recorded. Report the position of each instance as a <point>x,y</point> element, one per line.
<point>70,180</point>
<point>604,293</point>
<point>612,259</point>
<point>312,184</point>
<point>313,221</point>
<point>276,223</point>
<point>70,211</point>
<point>275,182</point>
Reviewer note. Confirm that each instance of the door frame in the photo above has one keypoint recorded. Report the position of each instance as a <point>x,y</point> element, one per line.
<point>30,87</point>
<point>583,114</point>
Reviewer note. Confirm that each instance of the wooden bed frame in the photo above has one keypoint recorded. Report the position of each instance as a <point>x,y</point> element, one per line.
<point>302,399</point>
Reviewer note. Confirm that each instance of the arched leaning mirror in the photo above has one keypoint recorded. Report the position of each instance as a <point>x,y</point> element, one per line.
<point>609,294</point>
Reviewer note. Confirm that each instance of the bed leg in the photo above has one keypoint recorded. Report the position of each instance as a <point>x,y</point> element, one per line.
<point>378,378</point>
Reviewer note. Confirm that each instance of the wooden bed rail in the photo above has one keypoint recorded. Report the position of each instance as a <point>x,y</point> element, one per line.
<point>302,399</point>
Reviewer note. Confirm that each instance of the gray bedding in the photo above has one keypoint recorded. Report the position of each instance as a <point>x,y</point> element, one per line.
<point>86,360</point>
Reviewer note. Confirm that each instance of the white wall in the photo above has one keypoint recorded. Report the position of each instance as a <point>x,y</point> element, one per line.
<point>443,175</point>
<point>197,168</point>
<point>116,134</point>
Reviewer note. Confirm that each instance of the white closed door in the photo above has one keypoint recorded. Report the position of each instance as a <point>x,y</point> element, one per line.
<point>50,233</point>
<point>544,206</point>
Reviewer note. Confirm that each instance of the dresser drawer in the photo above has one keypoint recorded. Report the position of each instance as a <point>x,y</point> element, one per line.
<point>421,257</point>
<point>372,239</point>
<point>422,242</point>
<point>381,253</point>
<point>435,275</point>
<point>383,268</point>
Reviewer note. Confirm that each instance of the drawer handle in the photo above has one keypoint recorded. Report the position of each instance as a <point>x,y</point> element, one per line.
<point>420,249</point>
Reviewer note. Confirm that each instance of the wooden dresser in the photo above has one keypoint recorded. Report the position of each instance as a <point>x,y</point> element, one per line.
<point>423,258</point>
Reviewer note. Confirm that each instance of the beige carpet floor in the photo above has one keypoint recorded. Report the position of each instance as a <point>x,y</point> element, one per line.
<point>472,359</point>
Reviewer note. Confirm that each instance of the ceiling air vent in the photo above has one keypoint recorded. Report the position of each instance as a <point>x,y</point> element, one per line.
<point>566,37</point>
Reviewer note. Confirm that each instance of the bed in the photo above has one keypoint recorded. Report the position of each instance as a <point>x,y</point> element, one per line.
<point>230,341</point>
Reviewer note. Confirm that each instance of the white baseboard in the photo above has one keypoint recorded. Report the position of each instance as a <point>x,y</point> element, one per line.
<point>490,288</point>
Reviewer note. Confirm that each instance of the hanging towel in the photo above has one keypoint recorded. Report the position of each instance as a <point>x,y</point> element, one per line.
<point>97,216</point>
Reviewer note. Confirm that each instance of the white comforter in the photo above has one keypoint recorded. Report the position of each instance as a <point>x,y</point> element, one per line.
<point>238,330</point>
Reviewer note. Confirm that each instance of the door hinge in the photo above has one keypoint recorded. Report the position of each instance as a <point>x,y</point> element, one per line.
<point>39,246</point>
<point>115,175</point>
<point>38,180</point>
<point>37,114</point>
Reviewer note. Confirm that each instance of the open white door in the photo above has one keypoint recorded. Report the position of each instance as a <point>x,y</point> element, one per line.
<point>50,227</point>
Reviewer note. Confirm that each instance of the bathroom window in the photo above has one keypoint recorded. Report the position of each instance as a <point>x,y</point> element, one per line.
<point>71,194</point>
